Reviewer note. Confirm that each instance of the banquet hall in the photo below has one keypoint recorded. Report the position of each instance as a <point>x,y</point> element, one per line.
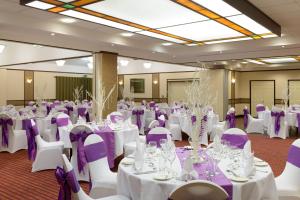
<point>150,99</point>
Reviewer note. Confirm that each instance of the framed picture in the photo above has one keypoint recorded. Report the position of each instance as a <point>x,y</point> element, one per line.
<point>137,85</point>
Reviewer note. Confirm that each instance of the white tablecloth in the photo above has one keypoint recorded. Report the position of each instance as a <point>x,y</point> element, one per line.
<point>143,187</point>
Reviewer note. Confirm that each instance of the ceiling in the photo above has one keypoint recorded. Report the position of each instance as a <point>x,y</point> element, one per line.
<point>20,23</point>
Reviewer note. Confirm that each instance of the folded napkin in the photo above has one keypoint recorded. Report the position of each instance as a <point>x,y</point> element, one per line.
<point>247,149</point>
<point>217,142</point>
<point>248,160</point>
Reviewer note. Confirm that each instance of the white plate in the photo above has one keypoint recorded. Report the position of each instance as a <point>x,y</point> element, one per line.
<point>161,177</point>
<point>128,161</point>
<point>238,179</point>
<point>261,164</point>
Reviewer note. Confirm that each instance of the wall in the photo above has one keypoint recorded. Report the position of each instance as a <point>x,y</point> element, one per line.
<point>148,86</point>
<point>281,77</point>
<point>12,85</point>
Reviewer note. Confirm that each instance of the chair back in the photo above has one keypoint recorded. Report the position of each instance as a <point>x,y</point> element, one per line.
<point>153,124</point>
<point>96,155</point>
<point>203,190</point>
<point>278,120</point>
<point>115,117</point>
<point>230,118</point>
<point>6,129</point>
<point>158,133</point>
<point>235,137</point>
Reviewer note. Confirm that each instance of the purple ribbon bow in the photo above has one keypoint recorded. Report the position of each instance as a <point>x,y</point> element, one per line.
<point>82,111</point>
<point>246,113</point>
<point>95,151</point>
<point>67,182</point>
<point>4,122</point>
<point>231,119</point>
<point>60,122</point>
<point>194,119</point>
<point>31,132</point>
<point>156,138</point>
<point>277,116</point>
<point>79,137</point>
<point>260,108</point>
<point>138,114</point>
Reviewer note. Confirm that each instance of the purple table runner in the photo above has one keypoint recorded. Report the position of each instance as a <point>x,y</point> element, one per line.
<point>108,137</point>
<point>219,179</point>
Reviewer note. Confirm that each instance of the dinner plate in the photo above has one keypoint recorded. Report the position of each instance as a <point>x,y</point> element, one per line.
<point>162,177</point>
<point>128,161</point>
<point>238,179</point>
<point>261,164</point>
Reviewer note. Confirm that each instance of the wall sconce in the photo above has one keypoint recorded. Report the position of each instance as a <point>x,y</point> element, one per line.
<point>120,82</point>
<point>233,80</point>
<point>155,82</point>
<point>29,80</point>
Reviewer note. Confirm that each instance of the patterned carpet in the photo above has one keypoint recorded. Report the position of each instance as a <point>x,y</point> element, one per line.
<point>18,183</point>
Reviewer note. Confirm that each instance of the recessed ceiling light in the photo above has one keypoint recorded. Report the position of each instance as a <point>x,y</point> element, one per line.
<point>2,47</point>
<point>37,45</point>
<point>60,63</point>
<point>167,44</point>
<point>67,20</point>
<point>147,65</point>
<point>282,46</point>
<point>127,34</point>
<point>244,62</point>
<point>191,44</point>
<point>280,60</point>
<point>124,62</point>
<point>52,34</point>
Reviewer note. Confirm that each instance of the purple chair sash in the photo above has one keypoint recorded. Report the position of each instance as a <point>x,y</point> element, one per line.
<point>156,138</point>
<point>294,156</point>
<point>95,151</point>
<point>138,114</point>
<point>260,108</point>
<point>56,103</point>
<point>108,137</point>
<point>67,182</point>
<point>151,104</point>
<point>79,137</point>
<point>246,113</point>
<point>277,116</point>
<point>162,123</point>
<point>4,122</point>
<point>82,111</point>
<point>31,132</point>
<point>194,119</point>
<point>298,121</point>
<point>220,180</point>
<point>116,118</point>
<point>238,141</point>
<point>230,118</point>
<point>59,123</point>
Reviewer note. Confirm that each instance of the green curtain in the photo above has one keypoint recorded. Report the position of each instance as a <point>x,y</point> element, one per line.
<point>65,87</point>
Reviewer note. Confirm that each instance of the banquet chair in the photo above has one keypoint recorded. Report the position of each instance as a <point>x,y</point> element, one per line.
<point>202,190</point>
<point>47,153</point>
<point>130,147</point>
<point>251,124</point>
<point>103,181</point>
<point>14,139</point>
<point>50,134</point>
<point>64,126</point>
<point>235,137</point>
<point>260,110</point>
<point>138,118</point>
<point>288,183</point>
<point>158,133</point>
<point>115,117</point>
<point>175,129</point>
<point>278,126</point>
<point>79,133</point>
<point>66,178</point>
<point>230,119</point>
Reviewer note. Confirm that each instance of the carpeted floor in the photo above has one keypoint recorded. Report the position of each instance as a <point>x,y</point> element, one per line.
<point>18,183</point>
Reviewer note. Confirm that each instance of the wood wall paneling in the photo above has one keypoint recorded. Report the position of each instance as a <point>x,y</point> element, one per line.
<point>155,85</point>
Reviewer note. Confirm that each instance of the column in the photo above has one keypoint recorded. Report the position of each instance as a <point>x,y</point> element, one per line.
<point>105,77</point>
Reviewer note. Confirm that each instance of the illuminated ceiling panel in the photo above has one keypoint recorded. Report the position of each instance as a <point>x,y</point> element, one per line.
<point>279,60</point>
<point>191,22</point>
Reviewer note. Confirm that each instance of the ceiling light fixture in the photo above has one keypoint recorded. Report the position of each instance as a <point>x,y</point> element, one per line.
<point>2,47</point>
<point>183,22</point>
<point>167,44</point>
<point>124,63</point>
<point>255,62</point>
<point>279,60</point>
<point>68,20</point>
<point>60,63</point>
<point>127,34</point>
<point>147,65</point>
<point>191,44</point>
<point>52,34</point>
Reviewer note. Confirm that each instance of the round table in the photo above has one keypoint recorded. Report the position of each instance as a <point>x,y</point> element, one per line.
<point>145,187</point>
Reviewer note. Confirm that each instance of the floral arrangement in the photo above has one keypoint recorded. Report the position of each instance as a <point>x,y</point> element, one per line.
<point>77,94</point>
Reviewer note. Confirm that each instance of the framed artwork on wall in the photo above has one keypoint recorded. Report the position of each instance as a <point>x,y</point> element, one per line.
<point>137,85</point>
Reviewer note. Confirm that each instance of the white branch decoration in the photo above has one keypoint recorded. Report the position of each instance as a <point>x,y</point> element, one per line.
<point>100,99</point>
<point>78,91</point>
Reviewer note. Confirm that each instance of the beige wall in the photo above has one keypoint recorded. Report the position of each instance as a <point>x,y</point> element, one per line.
<point>15,85</point>
<point>3,86</point>
<point>148,86</point>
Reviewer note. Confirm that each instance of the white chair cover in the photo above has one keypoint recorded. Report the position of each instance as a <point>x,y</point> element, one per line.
<point>288,182</point>
<point>283,127</point>
<point>253,125</point>
<point>104,182</point>
<point>80,194</point>
<point>203,190</point>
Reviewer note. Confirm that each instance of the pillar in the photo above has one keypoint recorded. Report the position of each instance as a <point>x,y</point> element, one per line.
<point>106,76</point>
